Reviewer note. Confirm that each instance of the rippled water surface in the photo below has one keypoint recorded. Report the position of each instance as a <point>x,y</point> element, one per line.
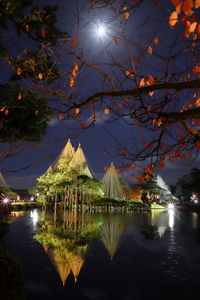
<point>145,255</point>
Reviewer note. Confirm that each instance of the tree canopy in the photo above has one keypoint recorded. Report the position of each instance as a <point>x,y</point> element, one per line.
<point>28,35</point>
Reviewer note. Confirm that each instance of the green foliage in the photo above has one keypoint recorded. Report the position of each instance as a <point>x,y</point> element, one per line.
<point>25,113</point>
<point>66,238</point>
<point>118,203</point>
<point>188,184</point>
<point>67,177</point>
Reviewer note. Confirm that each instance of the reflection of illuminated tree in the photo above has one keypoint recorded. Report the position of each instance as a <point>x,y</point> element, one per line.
<point>60,263</point>
<point>76,260</point>
<point>112,232</point>
<point>66,243</point>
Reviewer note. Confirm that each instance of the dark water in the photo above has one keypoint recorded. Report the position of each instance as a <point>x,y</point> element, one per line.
<point>94,256</point>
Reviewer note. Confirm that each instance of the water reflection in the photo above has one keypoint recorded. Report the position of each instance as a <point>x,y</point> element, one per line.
<point>96,250</point>
<point>34,217</point>
<point>159,220</point>
<point>66,241</point>
<point>112,232</point>
<point>171,213</point>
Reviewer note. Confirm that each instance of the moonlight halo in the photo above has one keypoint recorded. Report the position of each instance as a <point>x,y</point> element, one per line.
<point>101,30</point>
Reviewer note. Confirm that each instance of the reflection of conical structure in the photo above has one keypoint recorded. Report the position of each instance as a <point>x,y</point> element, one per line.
<point>114,185</point>
<point>67,152</point>
<point>112,232</point>
<point>76,260</point>
<point>60,263</point>
<point>2,181</point>
<point>79,160</point>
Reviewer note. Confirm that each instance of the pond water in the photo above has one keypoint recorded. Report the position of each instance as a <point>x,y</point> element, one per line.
<point>143,255</point>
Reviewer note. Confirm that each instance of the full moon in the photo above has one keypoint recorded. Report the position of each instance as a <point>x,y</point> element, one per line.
<point>101,30</point>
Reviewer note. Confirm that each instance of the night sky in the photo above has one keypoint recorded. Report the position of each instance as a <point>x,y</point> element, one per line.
<point>95,140</point>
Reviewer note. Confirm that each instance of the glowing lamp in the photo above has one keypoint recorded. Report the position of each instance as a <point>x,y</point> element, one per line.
<point>5,200</point>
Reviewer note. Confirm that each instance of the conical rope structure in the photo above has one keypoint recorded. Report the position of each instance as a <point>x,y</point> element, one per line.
<point>79,160</point>
<point>2,181</point>
<point>114,185</point>
<point>67,152</point>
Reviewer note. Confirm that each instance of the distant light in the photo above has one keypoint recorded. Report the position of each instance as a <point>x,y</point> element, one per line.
<point>34,217</point>
<point>101,30</point>
<point>171,206</point>
<point>5,200</point>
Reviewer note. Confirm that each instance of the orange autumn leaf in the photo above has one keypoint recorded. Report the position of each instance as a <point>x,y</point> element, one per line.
<point>116,41</point>
<point>187,7</point>
<point>192,27</point>
<point>19,71</point>
<point>149,79</point>
<point>106,111</point>
<point>197,3</point>
<point>93,116</point>
<point>77,111</point>
<point>178,5</point>
<point>26,28</point>
<point>151,93</point>
<point>40,76</point>
<point>71,82</point>
<point>197,103</point>
<point>141,83</point>
<point>159,122</point>
<point>173,19</point>
<point>19,97</point>
<point>61,117</point>
<point>76,68</point>
<point>150,50</point>
<point>126,15</point>
<point>74,42</point>
<point>73,73</point>
<point>126,99</point>
<point>156,40</point>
